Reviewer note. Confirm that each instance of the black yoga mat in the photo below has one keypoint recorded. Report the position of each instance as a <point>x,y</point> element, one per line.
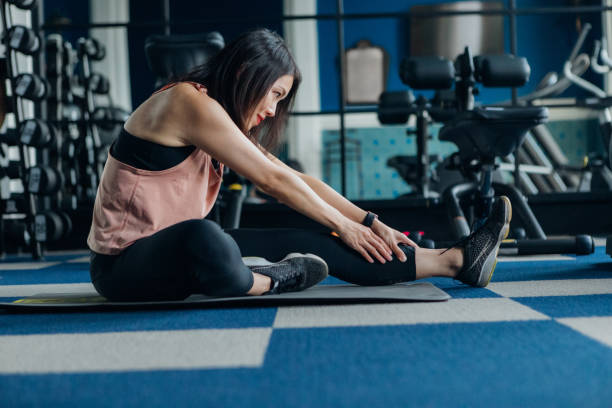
<point>322,294</point>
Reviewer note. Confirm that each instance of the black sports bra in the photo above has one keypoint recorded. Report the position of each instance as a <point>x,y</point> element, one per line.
<point>146,155</point>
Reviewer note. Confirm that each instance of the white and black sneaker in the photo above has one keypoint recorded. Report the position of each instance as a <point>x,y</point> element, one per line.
<point>293,273</point>
<point>480,248</point>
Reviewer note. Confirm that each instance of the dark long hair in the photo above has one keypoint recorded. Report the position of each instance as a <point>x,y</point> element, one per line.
<point>242,73</point>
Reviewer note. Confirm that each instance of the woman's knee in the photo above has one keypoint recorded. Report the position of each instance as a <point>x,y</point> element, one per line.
<point>214,259</point>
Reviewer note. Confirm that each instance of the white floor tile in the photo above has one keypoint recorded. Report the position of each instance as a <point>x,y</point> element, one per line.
<point>20,266</point>
<point>534,258</point>
<point>133,351</point>
<point>565,287</point>
<point>51,288</point>
<point>81,259</point>
<point>598,328</point>
<point>453,311</point>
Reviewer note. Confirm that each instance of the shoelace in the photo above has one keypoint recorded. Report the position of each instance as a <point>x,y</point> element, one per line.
<point>289,280</point>
<point>463,241</point>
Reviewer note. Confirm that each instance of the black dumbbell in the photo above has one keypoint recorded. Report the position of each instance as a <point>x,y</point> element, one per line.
<point>44,180</point>
<point>23,39</point>
<point>30,86</point>
<point>68,150</point>
<point>36,133</point>
<point>71,112</point>
<point>12,170</point>
<point>51,226</point>
<point>69,202</point>
<point>15,204</point>
<point>17,232</point>
<point>108,117</point>
<point>23,4</point>
<point>54,50</point>
<point>10,137</point>
<point>98,84</point>
<point>91,47</point>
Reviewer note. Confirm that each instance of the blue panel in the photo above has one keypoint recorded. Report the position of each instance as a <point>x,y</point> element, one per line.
<point>522,271</point>
<point>570,306</point>
<point>47,323</point>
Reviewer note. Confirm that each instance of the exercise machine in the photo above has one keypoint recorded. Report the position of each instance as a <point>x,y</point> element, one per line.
<point>482,135</point>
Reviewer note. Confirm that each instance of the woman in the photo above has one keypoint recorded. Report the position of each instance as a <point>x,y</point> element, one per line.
<point>149,238</point>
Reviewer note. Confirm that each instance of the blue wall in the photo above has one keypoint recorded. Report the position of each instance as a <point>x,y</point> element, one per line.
<point>545,40</point>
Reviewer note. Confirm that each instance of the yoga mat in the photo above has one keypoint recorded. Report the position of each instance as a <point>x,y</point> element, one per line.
<point>87,299</point>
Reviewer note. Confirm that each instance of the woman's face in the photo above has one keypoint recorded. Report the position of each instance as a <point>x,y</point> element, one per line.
<point>267,106</point>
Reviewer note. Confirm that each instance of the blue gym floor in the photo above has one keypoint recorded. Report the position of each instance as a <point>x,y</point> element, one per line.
<point>540,335</point>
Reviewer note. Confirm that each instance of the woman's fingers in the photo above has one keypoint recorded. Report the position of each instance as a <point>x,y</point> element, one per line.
<point>365,254</point>
<point>375,252</point>
<point>399,253</point>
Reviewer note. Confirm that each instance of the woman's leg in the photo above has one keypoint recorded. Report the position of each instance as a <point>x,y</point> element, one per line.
<point>345,263</point>
<point>194,256</point>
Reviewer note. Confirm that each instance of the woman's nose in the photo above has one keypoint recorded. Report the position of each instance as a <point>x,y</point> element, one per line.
<point>270,110</point>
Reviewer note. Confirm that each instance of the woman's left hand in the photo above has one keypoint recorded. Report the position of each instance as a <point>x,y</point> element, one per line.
<point>392,238</point>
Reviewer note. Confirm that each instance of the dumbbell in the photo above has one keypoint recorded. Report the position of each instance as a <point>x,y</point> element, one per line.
<point>44,180</point>
<point>54,50</point>
<point>98,84</point>
<point>68,150</point>
<point>51,226</point>
<point>71,112</point>
<point>23,4</point>
<point>17,232</point>
<point>108,117</point>
<point>91,47</point>
<point>71,179</point>
<point>23,39</point>
<point>15,204</point>
<point>12,170</point>
<point>69,202</point>
<point>36,133</point>
<point>30,86</point>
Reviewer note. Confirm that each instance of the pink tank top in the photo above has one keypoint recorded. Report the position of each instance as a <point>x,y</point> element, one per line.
<point>133,203</point>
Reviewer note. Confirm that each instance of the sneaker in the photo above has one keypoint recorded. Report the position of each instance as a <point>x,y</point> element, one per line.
<point>293,273</point>
<point>480,248</point>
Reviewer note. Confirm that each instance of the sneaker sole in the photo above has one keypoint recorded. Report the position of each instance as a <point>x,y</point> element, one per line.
<point>491,261</point>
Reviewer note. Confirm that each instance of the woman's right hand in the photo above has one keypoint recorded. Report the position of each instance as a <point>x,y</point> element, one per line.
<point>363,240</point>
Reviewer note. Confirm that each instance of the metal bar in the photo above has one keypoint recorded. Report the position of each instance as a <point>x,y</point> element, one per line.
<point>406,15</point>
<point>166,4</point>
<point>513,51</point>
<point>513,43</point>
<point>340,38</point>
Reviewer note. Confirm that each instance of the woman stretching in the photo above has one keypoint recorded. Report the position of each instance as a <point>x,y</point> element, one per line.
<point>150,241</point>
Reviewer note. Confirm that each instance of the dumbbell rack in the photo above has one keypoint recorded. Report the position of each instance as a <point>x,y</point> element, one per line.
<point>39,181</point>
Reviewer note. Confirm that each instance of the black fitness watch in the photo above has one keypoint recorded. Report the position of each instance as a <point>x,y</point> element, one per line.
<point>369,219</point>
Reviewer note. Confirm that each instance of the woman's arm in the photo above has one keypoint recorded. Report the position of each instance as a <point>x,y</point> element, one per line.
<point>348,209</point>
<point>207,125</point>
<point>323,190</point>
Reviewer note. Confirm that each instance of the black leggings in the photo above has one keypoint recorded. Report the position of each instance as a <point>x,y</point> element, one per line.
<point>197,256</point>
